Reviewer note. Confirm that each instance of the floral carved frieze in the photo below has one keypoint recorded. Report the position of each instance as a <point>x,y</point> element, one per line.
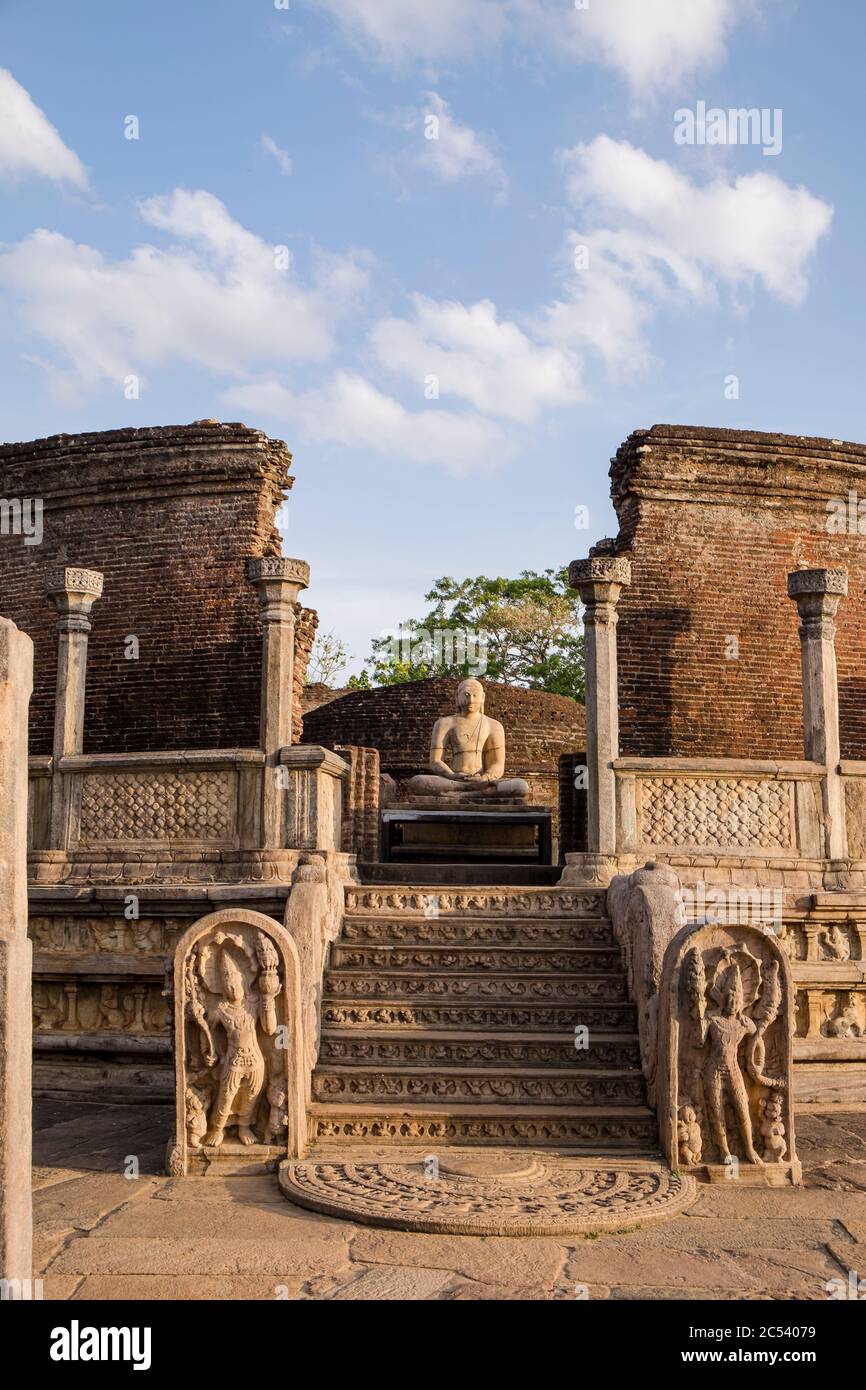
<point>726,1020</point>
<point>237,1041</point>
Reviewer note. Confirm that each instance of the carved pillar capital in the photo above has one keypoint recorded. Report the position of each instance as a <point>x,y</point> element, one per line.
<point>73,591</point>
<point>600,580</point>
<point>278,580</point>
<point>817,594</point>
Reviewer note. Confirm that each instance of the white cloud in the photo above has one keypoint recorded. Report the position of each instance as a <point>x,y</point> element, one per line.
<point>655,236</point>
<point>351,411</point>
<point>478,358</point>
<point>213,299</point>
<point>652,44</point>
<point>282,156</point>
<point>400,31</point>
<point>452,151</point>
<point>29,144</point>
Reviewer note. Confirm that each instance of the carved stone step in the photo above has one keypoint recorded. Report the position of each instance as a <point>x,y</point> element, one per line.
<point>534,1016</point>
<point>523,960</point>
<point>454,984</point>
<point>493,1086</point>
<point>466,931</point>
<point>594,1129</point>
<point>345,1048</point>
<point>419,899</point>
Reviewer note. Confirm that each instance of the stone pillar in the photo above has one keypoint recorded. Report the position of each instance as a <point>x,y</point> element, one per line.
<point>817,594</point>
<point>16,1024</point>
<point>73,592</point>
<point>278,581</point>
<point>600,581</point>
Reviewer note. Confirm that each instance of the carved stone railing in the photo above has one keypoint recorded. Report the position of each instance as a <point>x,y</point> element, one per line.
<point>719,806</point>
<point>181,803</point>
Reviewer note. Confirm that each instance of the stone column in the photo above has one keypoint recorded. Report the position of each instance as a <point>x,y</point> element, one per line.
<point>16,1024</point>
<point>73,592</point>
<point>817,594</point>
<point>600,581</point>
<point>278,581</point>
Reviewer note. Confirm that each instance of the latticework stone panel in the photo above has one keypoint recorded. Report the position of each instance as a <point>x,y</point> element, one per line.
<point>158,806</point>
<point>723,813</point>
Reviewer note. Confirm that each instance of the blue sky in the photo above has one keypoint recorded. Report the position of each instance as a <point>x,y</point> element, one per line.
<point>411,259</point>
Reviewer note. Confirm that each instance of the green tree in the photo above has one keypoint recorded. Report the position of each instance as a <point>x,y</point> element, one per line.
<point>522,631</point>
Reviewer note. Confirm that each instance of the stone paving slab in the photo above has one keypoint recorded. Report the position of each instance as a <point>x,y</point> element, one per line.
<point>103,1236</point>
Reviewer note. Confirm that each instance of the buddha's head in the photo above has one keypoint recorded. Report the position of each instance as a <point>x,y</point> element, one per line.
<point>470,697</point>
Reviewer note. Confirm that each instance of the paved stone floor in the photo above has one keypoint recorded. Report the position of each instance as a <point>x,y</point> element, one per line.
<point>100,1234</point>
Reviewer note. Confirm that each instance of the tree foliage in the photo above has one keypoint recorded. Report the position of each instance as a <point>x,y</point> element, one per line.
<point>522,631</point>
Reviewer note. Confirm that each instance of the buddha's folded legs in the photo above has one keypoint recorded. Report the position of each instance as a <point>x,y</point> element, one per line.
<point>428,784</point>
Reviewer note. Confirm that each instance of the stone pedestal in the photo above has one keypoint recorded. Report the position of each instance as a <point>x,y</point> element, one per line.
<point>817,594</point>
<point>16,683</point>
<point>73,592</point>
<point>279,581</point>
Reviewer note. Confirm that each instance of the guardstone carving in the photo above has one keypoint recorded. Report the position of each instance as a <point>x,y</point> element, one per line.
<point>237,1036</point>
<point>726,1015</point>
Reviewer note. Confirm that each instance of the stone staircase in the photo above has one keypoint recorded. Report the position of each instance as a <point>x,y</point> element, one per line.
<point>452,1016</point>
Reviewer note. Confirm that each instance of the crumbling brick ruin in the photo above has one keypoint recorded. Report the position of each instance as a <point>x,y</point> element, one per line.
<point>712,522</point>
<point>170,517</point>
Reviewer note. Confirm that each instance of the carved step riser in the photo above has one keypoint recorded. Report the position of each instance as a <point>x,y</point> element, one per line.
<point>478,902</point>
<point>470,959</point>
<point>532,990</point>
<point>352,1014</point>
<point>369,1088</point>
<point>370,1052</point>
<point>557,1131</point>
<point>463,932</point>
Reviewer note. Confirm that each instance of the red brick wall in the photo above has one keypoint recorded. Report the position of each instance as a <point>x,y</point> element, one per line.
<point>170,516</point>
<point>713,521</point>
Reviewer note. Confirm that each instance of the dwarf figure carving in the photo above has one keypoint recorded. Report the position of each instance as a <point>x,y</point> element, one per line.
<point>196,1117</point>
<point>689,1135</point>
<point>835,942</point>
<point>773,1130</point>
<point>277,1110</point>
<point>845,1024</point>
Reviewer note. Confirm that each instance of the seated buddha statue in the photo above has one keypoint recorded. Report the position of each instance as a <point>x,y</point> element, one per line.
<point>467,755</point>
